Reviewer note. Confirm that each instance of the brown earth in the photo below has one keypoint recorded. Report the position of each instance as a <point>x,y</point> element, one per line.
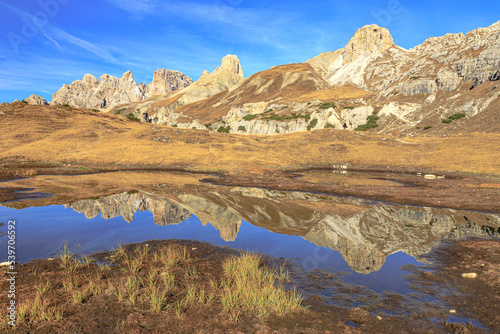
<point>92,296</point>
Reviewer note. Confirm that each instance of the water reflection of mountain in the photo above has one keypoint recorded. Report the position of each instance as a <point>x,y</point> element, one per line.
<point>364,234</point>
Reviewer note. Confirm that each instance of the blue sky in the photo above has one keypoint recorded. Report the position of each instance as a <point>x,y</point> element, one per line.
<point>45,43</point>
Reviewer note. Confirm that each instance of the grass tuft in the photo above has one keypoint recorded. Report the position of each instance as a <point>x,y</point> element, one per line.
<point>251,288</point>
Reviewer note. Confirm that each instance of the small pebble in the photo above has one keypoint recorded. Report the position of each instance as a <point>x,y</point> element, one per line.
<point>469,275</point>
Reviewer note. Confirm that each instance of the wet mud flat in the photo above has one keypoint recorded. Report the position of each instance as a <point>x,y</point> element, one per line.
<point>454,190</point>
<point>109,292</point>
<point>466,274</point>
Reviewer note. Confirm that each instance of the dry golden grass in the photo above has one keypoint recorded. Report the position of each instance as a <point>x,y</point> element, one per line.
<point>80,137</point>
<point>335,93</point>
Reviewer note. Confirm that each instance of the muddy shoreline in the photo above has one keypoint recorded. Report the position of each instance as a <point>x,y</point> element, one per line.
<point>103,312</point>
<point>451,190</point>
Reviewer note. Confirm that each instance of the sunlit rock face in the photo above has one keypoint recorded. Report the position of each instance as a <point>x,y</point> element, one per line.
<point>111,91</point>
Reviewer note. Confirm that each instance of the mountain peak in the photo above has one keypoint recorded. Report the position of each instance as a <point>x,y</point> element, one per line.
<point>367,40</point>
<point>232,64</point>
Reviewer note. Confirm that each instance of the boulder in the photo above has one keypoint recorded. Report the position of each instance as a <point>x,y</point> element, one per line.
<point>36,100</point>
<point>447,79</point>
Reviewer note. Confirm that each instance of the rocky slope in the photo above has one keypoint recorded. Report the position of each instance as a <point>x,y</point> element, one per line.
<point>364,238</point>
<point>170,110</point>
<point>371,83</point>
<point>111,91</point>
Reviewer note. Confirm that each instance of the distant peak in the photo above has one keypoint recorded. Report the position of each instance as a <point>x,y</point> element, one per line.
<point>367,40</point>
<point>127,76</point>
<point>91,80</point>
<point>232,64</point>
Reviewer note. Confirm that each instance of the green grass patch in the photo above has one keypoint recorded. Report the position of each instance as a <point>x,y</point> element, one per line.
<point>222,129</point>
<point>328,105</point>
<point>277,118</point>
<point>132,117</point>
<point>249,117</point>
<point>329,126</point>
<point>242,128</point>
<point>371,122</point>
<point>414,77</point>
<point>349,107</point>
<point>311,125</point>
<point>427,127</point>
<point>456,116</point>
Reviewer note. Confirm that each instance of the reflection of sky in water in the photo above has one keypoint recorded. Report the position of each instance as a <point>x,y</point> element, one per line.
<point>41,232</point>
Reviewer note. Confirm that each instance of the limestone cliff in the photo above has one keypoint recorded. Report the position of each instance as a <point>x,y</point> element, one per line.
<point>406,90</point>
<point>165,81</point>
<point>111,91</point>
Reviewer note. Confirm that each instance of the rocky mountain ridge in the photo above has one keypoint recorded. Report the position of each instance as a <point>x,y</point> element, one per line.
<point>111,91</point>
<point>370,83</point>
<point>447,84</point>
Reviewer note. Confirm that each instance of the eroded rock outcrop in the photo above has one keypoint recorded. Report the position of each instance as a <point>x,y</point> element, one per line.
<point>367,40</point>
<point>111,91</point>
<point>36,100</point>
<point>165,81</point>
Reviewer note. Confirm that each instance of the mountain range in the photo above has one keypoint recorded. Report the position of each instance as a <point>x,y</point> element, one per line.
<point>371,83</point>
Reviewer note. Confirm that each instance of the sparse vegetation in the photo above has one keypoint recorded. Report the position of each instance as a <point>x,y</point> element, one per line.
<point>118,111</point>
<point>249,117</point>
<point>95,110</point>
<point>456,116</point>
<point>208,125</point>
<point>24,101</point>
<point>453,117</point>
<point>159,280</point>
<point>328,105</point>
<point>371,122</point>
<point>277,118</point>
<point>349,107</point>
<point>414,77</point>
<point>132,117</point>
<point>242,128</point>
<point>222,129</point>
<point>312,124</point>
<point>329,126</point>
<point>427,127</point>
<point>251,288</point>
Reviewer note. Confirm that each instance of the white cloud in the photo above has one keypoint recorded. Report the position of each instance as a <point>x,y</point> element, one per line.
<point>135,7</point>
<point>56,36</point>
